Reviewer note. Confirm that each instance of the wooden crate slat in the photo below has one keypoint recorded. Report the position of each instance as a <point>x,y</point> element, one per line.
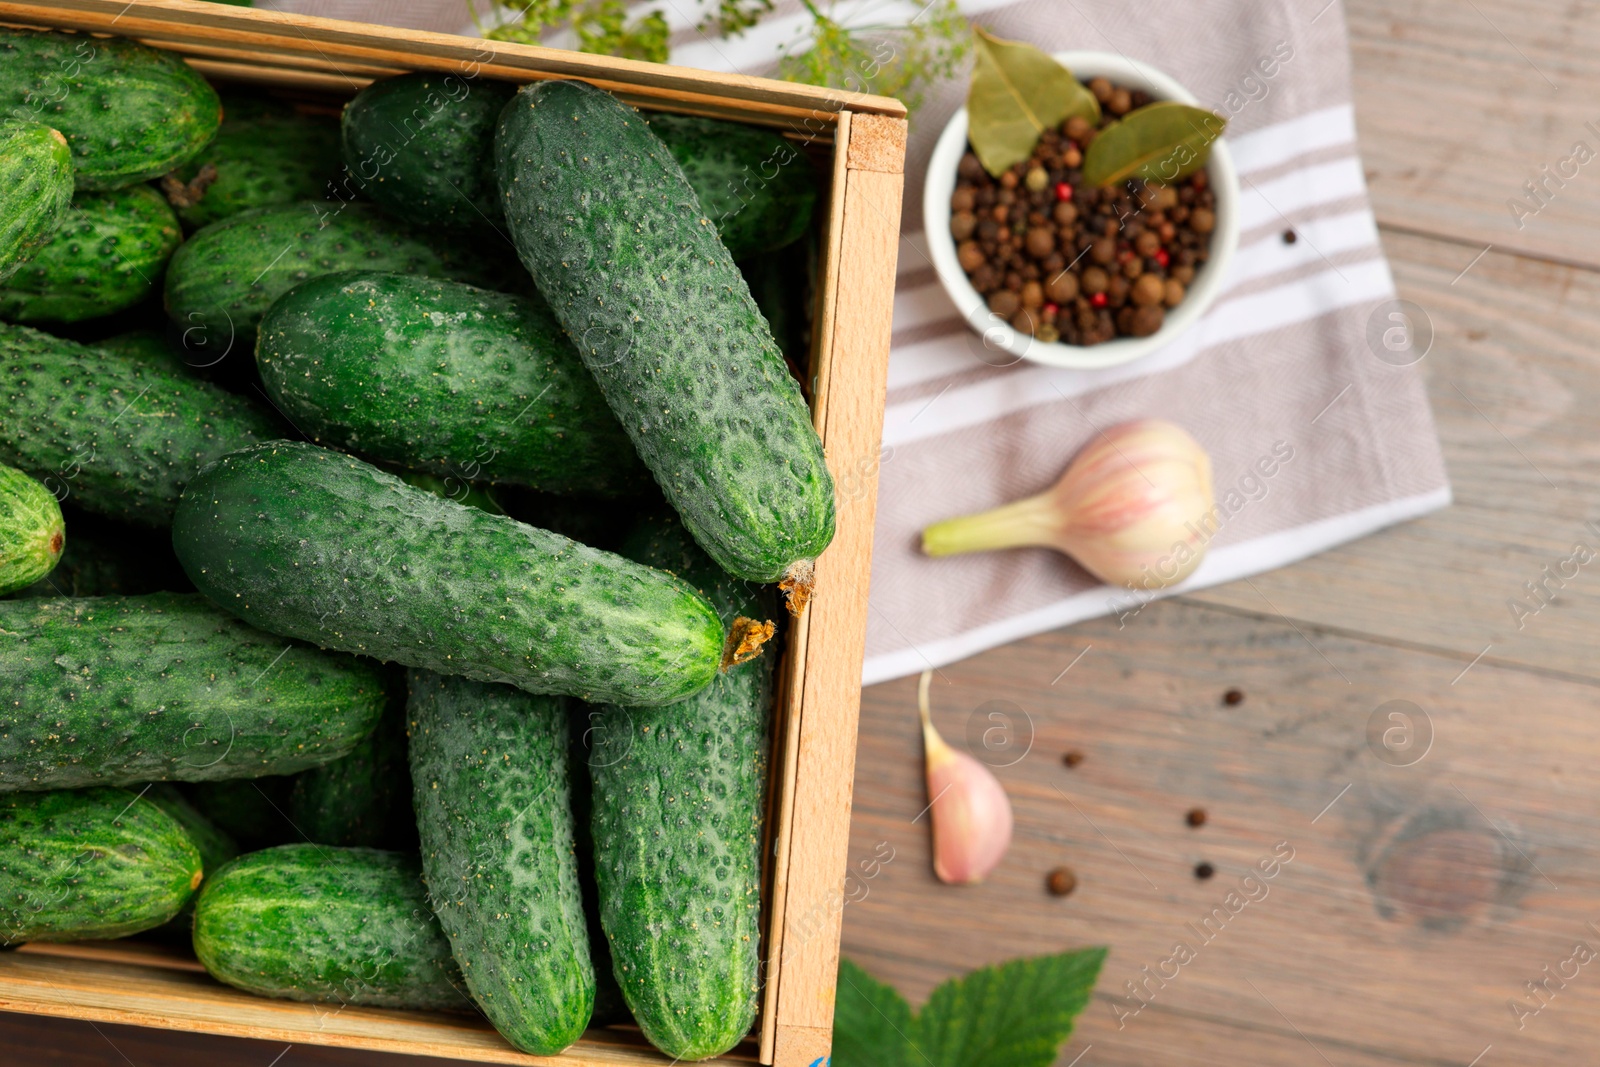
<point>850,394</point>
<point>138,995</point>
<point>192,20</point>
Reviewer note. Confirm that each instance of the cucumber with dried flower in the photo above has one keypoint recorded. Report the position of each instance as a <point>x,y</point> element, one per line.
<point>107,255</point>
<point>310,922</point>
<point>318,545</point>
<point>80,864</point>
<point>117,690</point>
<point>35,189</point>
<point>616,240</point>
<point>490,774</point>
<point>678,800</point>
<point>129,112</point>
<point>32,533</point>
<point>444,378</point>
<point>117,434</point>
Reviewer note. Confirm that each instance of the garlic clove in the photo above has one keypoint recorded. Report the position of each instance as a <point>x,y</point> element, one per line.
<point>968,807</point>
<point>1134,507</point>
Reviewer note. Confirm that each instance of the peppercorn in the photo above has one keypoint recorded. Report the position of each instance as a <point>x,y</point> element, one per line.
<point>1204,871</point>
<point>1036,180</point>
<point>1072,757</point>
<point>1094,281</point>
<point>1061,881</point>
<point>1032,295</point>
<point>1117,290</point>
<point>1290,237</point>
<point>1233,697</point>
<point>1065,213</point>
<point>962,223</point>
<point>1104,250</point>
<point>1183,274</point>
<point>1041,241</point>
<point>1025,321</point>
<point>1196,817</point>
<point>1121,101</point>
<point>1047,333</point>
<point>1077,127</point>
<point>1202,220</point>
<point>1009,180</point>
<point>1062,287</point>
<point>1102,90</point>
<point>1072,158</point>
<point>1172,293</point>
<point>965,198</point>
<point>1148,290</point>
<point>970,168</point>
<point>1147,243</point>
<point>1132,267</point>
<point>969,255</point>
<point>1146,321</point>
<point>1004,303</point>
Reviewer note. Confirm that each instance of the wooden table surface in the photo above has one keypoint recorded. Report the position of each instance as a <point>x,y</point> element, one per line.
<point>1421,900</point>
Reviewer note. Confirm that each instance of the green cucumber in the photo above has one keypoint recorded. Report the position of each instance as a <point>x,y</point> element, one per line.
<point>421,145</point>
<point>249,810</point>
<point>757,188</point>
<point>363,798</point>
<point>223,279</point>
<point>90,864</point>
<point>107,255</point>
<point>610,229</point>
<point>473,494</point>
<point>309,922</point>
<point>108,558</point>
<point>321,546</point>
<point>491,782</point>
<point>679,797</point>
<point>265,154</point>
<point>418,145</point>
<point>116,434</point>
<point>32,533</point>
<point>129,112</point>
<point>115,690</point>
<point>444,378</point>
<point>35,189</point>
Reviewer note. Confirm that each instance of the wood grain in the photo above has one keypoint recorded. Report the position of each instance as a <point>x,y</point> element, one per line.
<point>1508,376</point>
<point>852,381</point>
<point>1458,105</point>
<point>1418,899</point>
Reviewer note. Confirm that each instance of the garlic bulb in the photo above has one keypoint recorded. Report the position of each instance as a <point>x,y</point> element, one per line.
<point>1134,508</point>
<point>969,809</point>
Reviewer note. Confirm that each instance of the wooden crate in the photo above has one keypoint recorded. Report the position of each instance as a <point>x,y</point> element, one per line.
<point>863,140</point>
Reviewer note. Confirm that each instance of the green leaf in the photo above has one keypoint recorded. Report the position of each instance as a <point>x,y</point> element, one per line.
<point>1162,143</point>
<point>1015,1015</point>
<point>1017,93</point>
<point>872,1024</point>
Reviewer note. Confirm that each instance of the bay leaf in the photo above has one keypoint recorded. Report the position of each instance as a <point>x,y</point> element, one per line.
<point>1162,143</point>
<point>1017,93</point>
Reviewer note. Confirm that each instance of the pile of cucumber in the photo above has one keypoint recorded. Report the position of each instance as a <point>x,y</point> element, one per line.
<point>394,507</point>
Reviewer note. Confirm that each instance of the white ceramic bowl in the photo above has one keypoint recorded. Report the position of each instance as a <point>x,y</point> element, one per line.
<point>997,333</point>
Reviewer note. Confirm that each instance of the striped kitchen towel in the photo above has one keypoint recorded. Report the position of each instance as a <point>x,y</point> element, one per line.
<point>1319,432</point>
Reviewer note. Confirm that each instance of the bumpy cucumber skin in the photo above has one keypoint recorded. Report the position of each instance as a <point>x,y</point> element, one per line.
<point>757,188</point>
<point>35,189</point>
<point>321,546</point>
<point>616,240</point>
<point>117,690</point>
<point>225,277</point>
<point>416,144</point>
<point>129,112</point>
<point>489,770</point>
<point>107,255</point>
<point>363,798</point>
<point>90,864</point>
<point>444,378</point>
<point>115,434</point>
<point>264,154</point>
<point>310,922</point>
<point>32,533</point>
<point>679,797</point>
